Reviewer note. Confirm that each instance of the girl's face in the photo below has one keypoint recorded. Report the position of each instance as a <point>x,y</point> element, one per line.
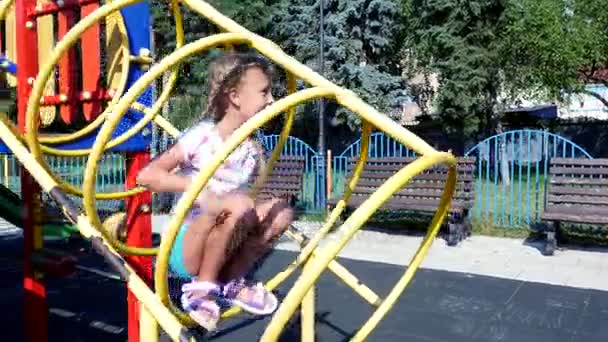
<point>252,94</point>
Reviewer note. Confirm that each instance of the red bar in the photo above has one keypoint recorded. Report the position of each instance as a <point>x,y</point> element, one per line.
<point>91,61</point>
<point>139,233</point>
<point>79,97</point>
<point>51,7</point>
<point>35,305</point>
<point>67,63</point>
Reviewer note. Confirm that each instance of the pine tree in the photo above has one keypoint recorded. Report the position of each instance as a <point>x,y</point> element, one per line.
<point>361,49</point>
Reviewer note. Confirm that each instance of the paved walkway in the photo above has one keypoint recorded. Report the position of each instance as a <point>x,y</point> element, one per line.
<point>482,255</point>
<point>498,257</point>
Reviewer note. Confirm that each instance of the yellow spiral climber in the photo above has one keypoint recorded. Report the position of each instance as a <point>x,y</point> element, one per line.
<point>312,258</point>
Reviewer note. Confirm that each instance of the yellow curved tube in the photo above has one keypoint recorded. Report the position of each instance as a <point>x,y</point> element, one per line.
<point>315,267</point>
<point>149,113</point>
<point>4,6</point>
<point>320,88</point>
<point>402,283</point>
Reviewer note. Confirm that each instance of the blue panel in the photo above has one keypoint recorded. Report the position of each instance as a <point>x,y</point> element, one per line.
<point>4,149</point>
<point>10,66</point>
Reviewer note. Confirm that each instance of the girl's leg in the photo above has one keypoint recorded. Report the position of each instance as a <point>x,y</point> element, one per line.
<point>225,237</point>
<point>275,216</point>
<point>206,244</point>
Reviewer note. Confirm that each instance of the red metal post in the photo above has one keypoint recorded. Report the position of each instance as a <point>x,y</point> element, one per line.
<point>35,304</point>
<point>139,233</point>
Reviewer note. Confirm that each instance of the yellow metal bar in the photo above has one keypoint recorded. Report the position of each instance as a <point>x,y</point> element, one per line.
<point>392,297</point>
<point>342,273</point>
<point>349,228</point>
<point>308,315</point>
<point>139,288</point>
<point>148,327</point>
<point>5,5</point>
<point>353,282</point>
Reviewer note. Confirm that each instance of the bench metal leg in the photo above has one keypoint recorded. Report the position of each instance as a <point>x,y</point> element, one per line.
<point>551,243</point>
<point>459,228</point>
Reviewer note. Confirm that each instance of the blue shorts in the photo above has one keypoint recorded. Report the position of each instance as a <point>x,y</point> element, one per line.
<point>176,259</point>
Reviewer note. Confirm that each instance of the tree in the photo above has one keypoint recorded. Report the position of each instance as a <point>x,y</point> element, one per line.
<point>457,40</point>
<point>362,40</point>
<point>190,91</point>
<point>555,47</point>
<point>491,54</point>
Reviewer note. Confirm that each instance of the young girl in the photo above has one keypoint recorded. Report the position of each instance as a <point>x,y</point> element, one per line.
<point>225,231</point>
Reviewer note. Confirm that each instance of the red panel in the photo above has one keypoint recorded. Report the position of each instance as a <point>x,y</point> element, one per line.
<point>139,233</point>
<point>67,77</point>
<point>35,305</point>
<point>91,61</point>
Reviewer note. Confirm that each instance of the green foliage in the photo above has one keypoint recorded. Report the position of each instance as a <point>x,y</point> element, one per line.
<point>492,54</point>
<point>458,40</point>
<point>189,95</point>
<point>362,44</point>
<point>554,46</point>
<point>361,48</point>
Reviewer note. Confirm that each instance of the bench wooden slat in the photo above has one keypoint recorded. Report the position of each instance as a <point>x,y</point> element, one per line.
<point>575,218</point>
<point>579,181</point>
<point>425,176</point>
<point>596,201</point>
<point>283,186</point>
<point>579,161</point>
<point>576,210</point>
<point>279,166</point>
<point>285,173</point>
<point>413,184</point>
<point>418,204</point>
<point>417,193</point>
<point>353,160</point>
<point>285,179</point>
<point>397,167</point>
<point>578,170</point>
<point>577,190</point>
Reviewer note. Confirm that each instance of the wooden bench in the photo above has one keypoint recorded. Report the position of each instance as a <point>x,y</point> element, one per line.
<point>577,192</point>
<point>421,194</point>
<point>286,179</point>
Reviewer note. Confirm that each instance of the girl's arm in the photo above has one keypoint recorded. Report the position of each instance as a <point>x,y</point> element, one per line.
<point>158,175</point>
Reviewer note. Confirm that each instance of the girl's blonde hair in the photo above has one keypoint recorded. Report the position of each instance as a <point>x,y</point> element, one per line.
<point>225,73</point>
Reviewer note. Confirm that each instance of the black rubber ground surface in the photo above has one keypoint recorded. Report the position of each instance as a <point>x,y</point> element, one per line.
<point>438,306</point>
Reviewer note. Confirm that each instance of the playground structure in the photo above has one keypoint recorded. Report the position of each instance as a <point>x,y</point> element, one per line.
<point>124,126</point>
